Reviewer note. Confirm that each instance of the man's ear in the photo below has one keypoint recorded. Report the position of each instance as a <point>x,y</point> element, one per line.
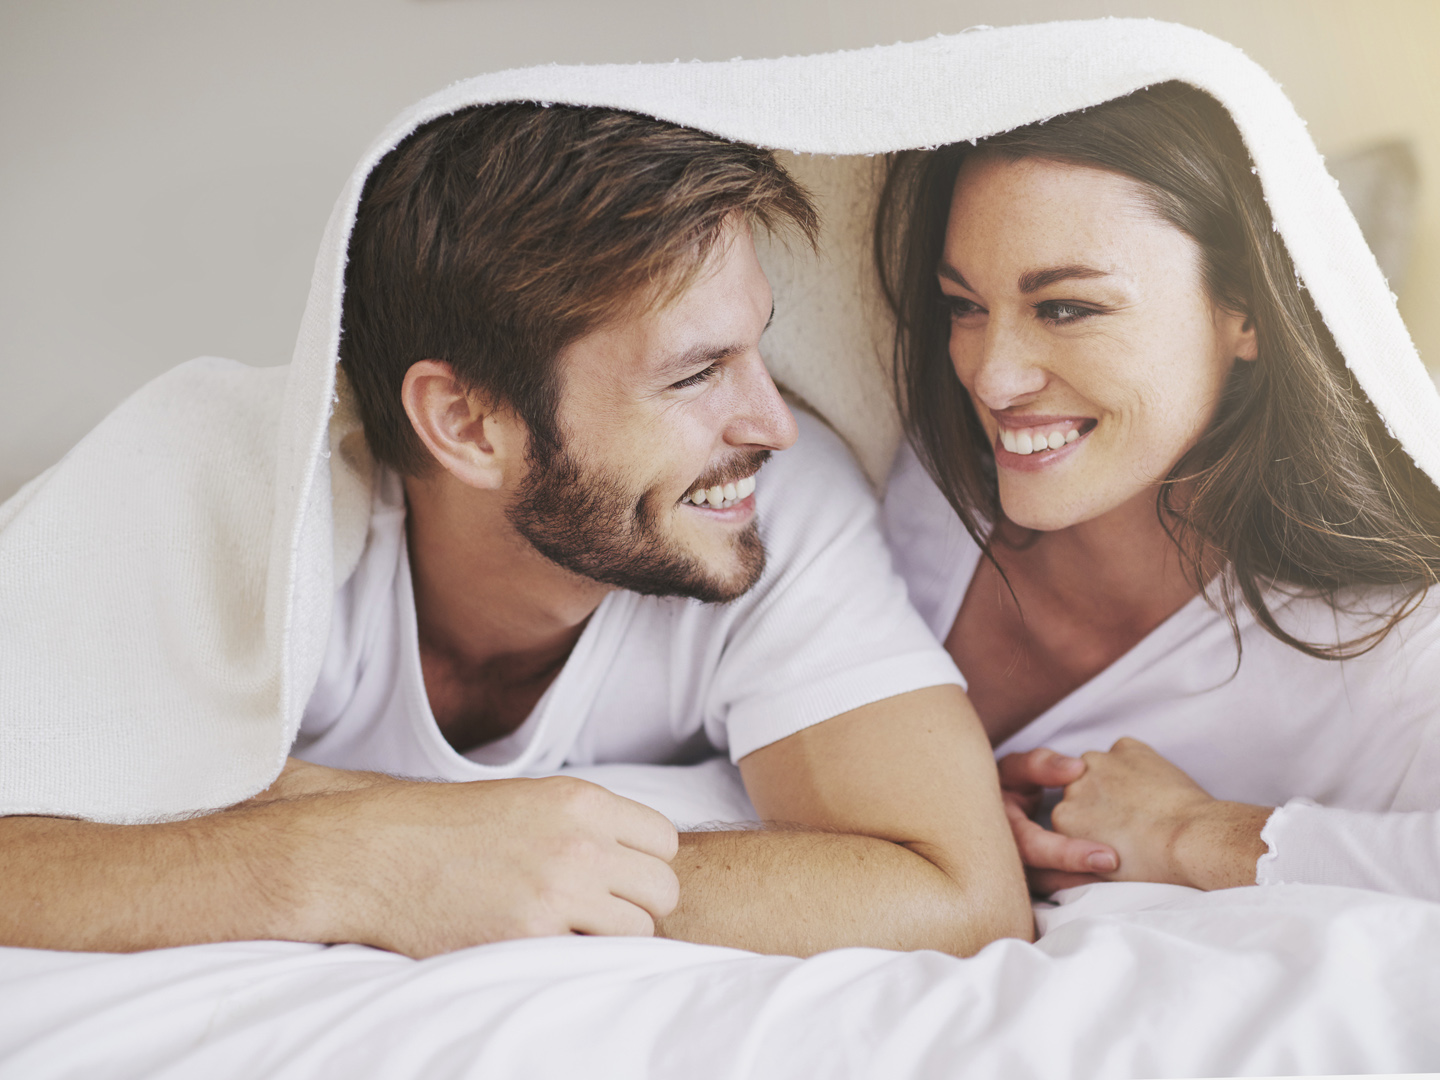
<point>478,443</point>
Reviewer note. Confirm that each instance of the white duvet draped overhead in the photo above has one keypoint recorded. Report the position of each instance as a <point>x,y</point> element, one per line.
<point>165,590</point>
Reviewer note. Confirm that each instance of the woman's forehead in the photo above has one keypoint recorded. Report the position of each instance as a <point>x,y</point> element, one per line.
<point>996,175</point>
<point>1028,209</point>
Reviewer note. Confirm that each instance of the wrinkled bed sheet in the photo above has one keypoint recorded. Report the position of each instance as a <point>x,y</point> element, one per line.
<point>1127,981</point>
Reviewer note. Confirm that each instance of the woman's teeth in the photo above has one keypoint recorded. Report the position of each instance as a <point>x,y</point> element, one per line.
<point>1033,441</point>
<point>722,496</point>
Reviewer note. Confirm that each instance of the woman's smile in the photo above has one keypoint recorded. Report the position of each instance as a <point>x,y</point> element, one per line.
<point>1029,443</point>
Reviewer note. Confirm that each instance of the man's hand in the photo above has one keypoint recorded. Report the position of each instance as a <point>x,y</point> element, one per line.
<point>328,856</point>
<point>1052,861</point>
<point>1165,827</point>
<point>463,864</point>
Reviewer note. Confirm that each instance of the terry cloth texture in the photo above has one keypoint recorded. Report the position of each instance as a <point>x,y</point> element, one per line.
<point>165,591</point>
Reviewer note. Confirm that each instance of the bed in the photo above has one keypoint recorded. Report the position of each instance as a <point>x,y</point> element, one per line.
<point>1126,981</point>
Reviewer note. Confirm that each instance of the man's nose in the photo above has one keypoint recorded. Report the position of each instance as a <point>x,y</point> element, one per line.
<point>761,417</point>
<point>1002,368</point>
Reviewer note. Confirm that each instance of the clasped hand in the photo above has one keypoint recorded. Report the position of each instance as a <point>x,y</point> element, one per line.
<point>1126,815</point>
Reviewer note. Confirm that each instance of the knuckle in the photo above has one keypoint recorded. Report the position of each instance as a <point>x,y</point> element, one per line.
<point>667,839</point>
<point>669,898</point>
<point>572,793</point>
<point>1063,816</point>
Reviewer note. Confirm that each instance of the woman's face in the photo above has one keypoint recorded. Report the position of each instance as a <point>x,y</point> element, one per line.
<point>1083,331</point>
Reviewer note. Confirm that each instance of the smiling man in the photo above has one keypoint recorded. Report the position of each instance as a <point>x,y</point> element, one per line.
<point>590,543</point>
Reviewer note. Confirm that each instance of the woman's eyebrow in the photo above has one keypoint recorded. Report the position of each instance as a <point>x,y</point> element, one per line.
<point>949,273</point>
<point>1035,280</point>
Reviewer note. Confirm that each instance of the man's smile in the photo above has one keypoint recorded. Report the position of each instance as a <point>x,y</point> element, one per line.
<point>722,496</point>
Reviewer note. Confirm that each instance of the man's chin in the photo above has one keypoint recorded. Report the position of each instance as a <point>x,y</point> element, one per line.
<point>718,579</point>
<point>725,576</point>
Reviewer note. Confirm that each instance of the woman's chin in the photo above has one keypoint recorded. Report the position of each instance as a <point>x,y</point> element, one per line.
<point>1032,510</point>
<point>1037,521</point>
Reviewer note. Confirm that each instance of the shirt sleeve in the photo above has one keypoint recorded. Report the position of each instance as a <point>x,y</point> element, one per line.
<point>829,627</point>
<point>1393,852</point>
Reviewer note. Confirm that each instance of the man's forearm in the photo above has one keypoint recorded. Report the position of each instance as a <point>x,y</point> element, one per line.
<point>800,892</point>
<point>78,885</point>
<point>415,867</point>
<point>238,874</point>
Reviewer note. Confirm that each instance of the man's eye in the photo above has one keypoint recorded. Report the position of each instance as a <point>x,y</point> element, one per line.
<point>958,307</point>
<point>696,379</point>
<point>1061,312</point>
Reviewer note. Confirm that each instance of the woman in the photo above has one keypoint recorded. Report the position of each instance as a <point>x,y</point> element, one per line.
<point>1146,498</point>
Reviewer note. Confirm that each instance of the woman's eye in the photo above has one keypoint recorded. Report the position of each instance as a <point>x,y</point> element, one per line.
<point>1061,311</point>
<point>696,379</point>
<point>958,307</point>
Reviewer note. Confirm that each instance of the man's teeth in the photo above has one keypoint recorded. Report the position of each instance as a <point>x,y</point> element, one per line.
<point>722,495</point>
<point>1033,441</point>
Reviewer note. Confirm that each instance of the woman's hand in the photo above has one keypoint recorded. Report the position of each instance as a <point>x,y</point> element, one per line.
<point>1052,861</point>
<point>1164,826</point>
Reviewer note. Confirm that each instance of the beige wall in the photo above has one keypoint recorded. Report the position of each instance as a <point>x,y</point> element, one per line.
<point>168,166</point>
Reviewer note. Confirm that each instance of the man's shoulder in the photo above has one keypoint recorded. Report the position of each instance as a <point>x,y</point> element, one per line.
<point>818,515</point>
<point>818,472</point>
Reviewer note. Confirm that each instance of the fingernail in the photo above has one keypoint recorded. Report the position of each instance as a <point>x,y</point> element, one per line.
<point>1101,862</point>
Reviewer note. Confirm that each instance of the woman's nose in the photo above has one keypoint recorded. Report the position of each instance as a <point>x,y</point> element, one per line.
<point>999,367</point>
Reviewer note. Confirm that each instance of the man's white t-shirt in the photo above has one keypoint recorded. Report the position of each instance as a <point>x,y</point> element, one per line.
<point>827,629</point>
<point>1360,737</point>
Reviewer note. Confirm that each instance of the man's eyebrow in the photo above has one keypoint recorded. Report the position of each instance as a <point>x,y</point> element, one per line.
<point>1035,280</point>
<point>682,363</point>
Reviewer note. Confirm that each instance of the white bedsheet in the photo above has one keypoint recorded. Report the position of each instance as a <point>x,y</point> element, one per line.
<point>1129,981</point>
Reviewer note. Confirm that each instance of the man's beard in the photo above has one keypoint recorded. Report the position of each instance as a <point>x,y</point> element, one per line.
<point>592,526</point>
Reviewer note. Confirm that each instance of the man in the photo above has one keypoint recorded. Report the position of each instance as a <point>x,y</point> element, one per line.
<point>551,324</point>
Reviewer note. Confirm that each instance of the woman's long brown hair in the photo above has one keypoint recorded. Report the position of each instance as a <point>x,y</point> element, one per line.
<point>1296,484</point>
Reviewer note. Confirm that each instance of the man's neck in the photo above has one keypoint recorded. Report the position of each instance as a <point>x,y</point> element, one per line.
<point>496,619</point>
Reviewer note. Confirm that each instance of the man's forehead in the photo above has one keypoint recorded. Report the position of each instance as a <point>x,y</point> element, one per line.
<point>720,314</point>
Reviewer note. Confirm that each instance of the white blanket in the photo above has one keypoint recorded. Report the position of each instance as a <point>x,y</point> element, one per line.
<point>1130,981</point>
<point>165,590</point>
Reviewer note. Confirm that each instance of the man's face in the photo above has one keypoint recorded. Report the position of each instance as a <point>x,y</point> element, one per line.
<point>666,417</point>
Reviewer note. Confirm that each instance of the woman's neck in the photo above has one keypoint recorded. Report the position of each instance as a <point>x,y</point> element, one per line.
<point>1119,570</point>
<point>1077,600</point>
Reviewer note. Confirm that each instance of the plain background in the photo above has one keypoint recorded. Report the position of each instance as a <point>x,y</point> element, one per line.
<point>168,165</point>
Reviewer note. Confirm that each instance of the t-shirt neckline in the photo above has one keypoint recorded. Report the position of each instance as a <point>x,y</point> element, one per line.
<point>544,739</point>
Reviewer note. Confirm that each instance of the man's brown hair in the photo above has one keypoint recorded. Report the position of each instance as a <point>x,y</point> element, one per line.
<point>493,237</point>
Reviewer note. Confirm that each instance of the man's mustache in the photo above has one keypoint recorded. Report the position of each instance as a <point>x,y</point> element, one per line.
<point>737,468</point>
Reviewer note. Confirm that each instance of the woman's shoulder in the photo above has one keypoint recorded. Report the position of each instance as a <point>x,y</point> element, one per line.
<point>1359,615</point>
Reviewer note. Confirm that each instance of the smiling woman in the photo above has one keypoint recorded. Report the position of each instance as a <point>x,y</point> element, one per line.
<point>1114,381</point>
<point>1296,479</point>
